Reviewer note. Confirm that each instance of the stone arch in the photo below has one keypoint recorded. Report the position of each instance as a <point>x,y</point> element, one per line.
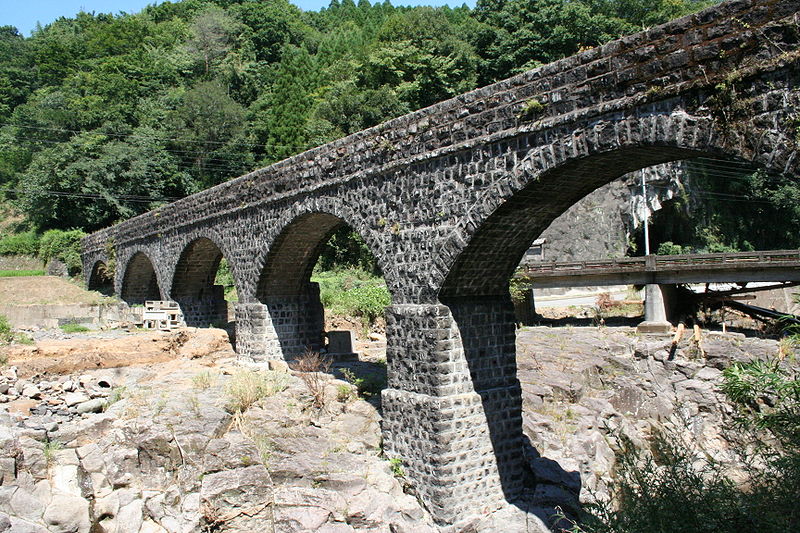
<point>293,254</point>
<point>201,301</point>
<point>100,279</point>
<point>554,175</point>
<point>475,350</point>
<point>139,282</point>
<point>329,213</point>
<point>288,317</point>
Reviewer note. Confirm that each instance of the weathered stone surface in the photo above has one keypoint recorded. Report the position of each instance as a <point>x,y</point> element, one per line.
<point>67,514</point>
<point>91,406</point>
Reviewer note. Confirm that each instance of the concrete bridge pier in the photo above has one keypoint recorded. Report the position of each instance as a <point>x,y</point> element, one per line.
<point>452,410</point>
<point>656,308</point>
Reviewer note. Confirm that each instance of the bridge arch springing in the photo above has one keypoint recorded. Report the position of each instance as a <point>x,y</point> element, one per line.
<point>290,317</point>
<point>139,283</point>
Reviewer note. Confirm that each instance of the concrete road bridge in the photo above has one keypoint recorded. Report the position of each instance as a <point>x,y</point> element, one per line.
<point>660,274</point>
<point>743,267</point>
<point>448,199</point>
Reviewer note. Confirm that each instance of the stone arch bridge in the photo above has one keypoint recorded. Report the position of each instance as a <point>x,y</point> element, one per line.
<point>448,198</point>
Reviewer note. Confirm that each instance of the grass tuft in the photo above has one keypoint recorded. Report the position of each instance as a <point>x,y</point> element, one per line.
<point>72,327</point>
<point>246,387</point>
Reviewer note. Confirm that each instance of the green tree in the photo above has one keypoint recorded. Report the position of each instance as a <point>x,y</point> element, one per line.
<point>522,34</point>
<point>272,25</point>
<point>16,76</point>
<point>213,33</point>
<point>208,129</point>
<point>97,178</point>
<point>422,55</point>
<point>279,116</point>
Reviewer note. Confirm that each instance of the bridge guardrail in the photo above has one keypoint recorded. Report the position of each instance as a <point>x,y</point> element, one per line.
<point>663,262</point>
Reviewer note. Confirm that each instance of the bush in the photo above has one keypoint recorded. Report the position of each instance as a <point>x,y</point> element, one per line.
<point>369,301</point>
<point>353,292</point>
<point>672,490</point>
<point>20,244</point>
<point>64,246</point>
<point>6,334</point>
<point>311,366</point>
<point>73,327</point>
<point>670,248</point>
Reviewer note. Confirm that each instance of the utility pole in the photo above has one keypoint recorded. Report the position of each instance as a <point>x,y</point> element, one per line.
<point>646,217</point>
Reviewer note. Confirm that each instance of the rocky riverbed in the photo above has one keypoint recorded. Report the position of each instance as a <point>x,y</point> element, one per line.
<point>165,444</point>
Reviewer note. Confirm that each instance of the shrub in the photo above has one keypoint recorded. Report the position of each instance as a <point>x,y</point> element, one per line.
<point>673,490</point>
<point>203,380</point>
<point>6,334</point>
<point>353,292</point>
<point>369,301</point>
<point>518,289</point>
<point>670,248</point>
<point>345,393</point>
<point>72,327</point>
<point>50,451</point>
<point>368,385</point>
<point>311,365</point>
<point>64,246</point>
<point>20,244</point>
<point>396,464</point>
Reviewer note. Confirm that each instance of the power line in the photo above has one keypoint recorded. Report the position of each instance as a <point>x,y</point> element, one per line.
<point>153,138</point>
<point>90,195</point>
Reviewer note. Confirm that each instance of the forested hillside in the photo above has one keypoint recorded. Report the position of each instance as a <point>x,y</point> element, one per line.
<point>105,116</point>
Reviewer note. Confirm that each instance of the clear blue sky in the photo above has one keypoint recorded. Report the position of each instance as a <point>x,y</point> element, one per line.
<point>24,14</point>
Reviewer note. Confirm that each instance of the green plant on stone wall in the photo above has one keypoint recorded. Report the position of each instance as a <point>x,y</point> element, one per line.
<point>396,465</point>
<point>531,109</point>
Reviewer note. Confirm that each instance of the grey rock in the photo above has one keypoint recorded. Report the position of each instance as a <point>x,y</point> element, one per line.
<point>75,398</point>
<point>32,391</point>
<point>91,406</point>
<point>67,514</point>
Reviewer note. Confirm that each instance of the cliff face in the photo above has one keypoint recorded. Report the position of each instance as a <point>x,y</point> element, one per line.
<point>600,226</point>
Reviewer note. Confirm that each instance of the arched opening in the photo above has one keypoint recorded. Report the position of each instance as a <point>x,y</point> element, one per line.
<point>293,318</point>
<point>476,289</point>
<point>478,305</point>
<point>195,284</point>
<point>101,280</point>
<point>140,282</point>
<point>701,205</point>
